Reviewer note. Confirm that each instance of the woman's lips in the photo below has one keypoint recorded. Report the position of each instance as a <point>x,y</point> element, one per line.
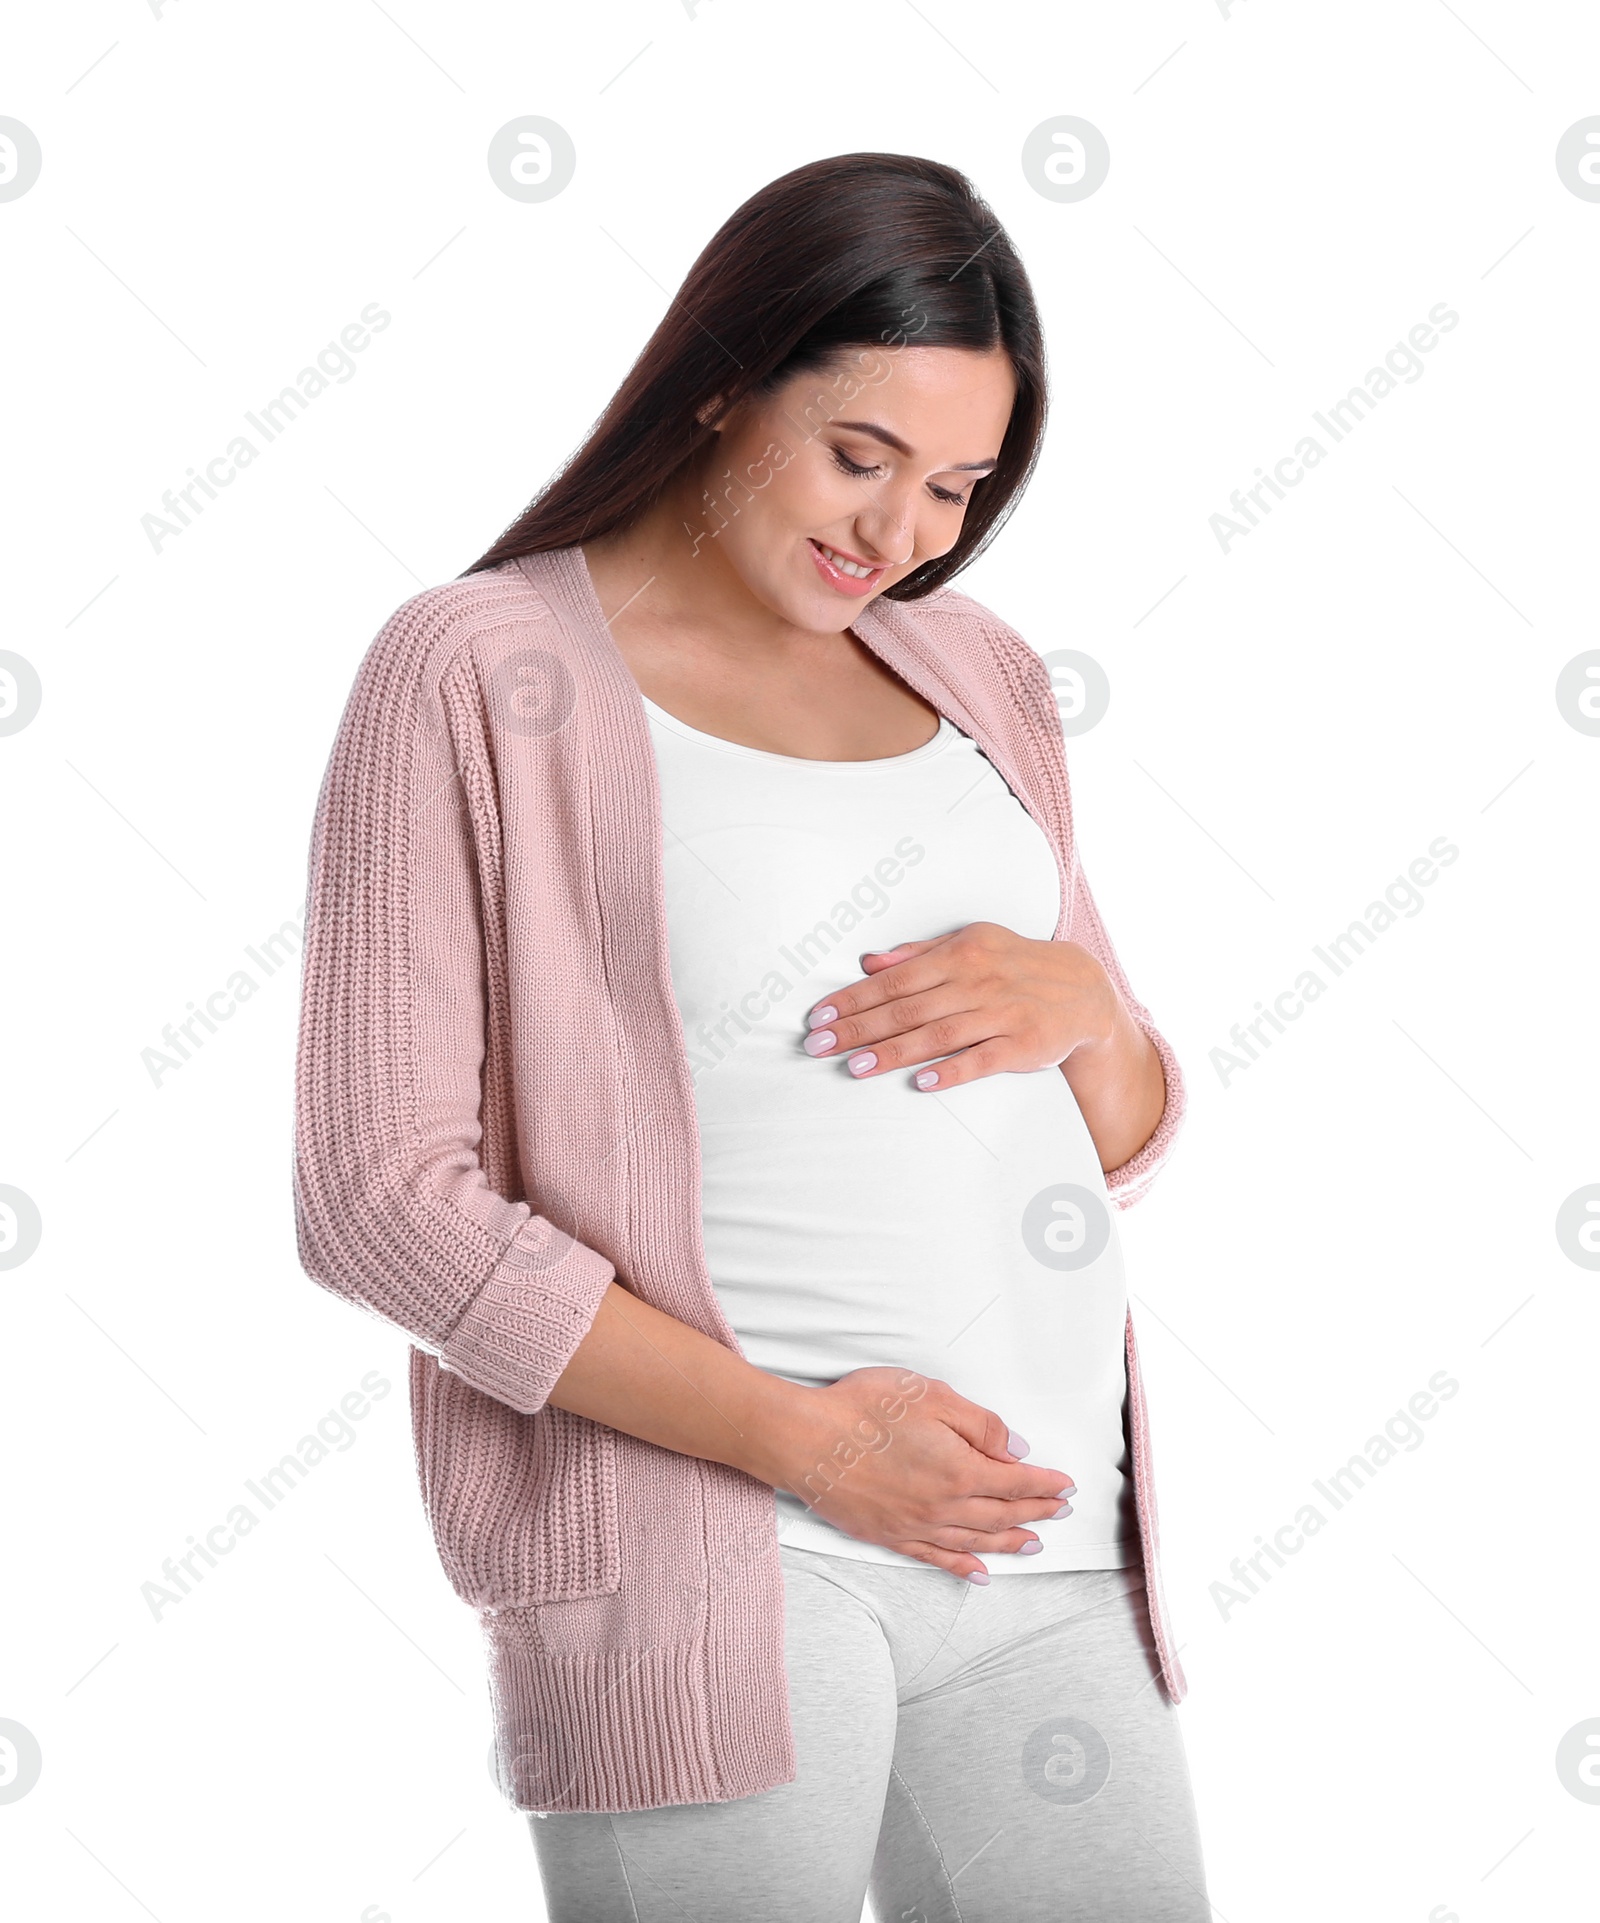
<point>855,585</point>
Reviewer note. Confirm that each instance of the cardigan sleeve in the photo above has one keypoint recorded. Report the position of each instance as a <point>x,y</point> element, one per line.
<point>394,1210</point>
<point>1130,1182</point>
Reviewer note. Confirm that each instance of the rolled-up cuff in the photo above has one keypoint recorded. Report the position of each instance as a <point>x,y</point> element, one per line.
<point>530,1315</point>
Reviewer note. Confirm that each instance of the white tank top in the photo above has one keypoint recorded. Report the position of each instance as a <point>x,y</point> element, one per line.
<point>965,1235</point>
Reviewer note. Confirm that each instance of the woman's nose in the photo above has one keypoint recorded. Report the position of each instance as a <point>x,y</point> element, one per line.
<point>887,528</point>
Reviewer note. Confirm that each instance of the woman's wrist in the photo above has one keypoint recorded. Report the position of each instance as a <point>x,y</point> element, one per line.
<point>1108,1014</point>
<point>785,1432</point>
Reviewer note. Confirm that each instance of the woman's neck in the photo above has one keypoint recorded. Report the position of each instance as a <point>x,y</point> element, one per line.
<point>701,646</point>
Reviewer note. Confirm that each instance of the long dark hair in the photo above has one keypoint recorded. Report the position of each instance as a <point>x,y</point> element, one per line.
<point>858,251</point>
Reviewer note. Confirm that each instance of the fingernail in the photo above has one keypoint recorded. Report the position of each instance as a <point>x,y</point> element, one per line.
<point>1064,1510</point>
<point>819,1041</point>
<point>929,1078</point>
<point>1018,1445</point>
<point>859,1064</point>
<point>977,1575</point>
<point>820,1015</point>
<point>1031,1547</point>
<point>1071,1489</point>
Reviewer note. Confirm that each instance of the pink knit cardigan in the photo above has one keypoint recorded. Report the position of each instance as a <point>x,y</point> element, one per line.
<point>494,1117</point>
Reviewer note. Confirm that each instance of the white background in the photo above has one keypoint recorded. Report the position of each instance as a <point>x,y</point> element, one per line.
<point>1373,1200</point>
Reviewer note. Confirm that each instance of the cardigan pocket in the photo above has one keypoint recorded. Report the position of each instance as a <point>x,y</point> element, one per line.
<point>523,1508</point>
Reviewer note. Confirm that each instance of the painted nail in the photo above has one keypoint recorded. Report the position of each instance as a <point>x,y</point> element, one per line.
<point>1031,1548</point>
<point>929,1078</point>
<point>1064,1510</point>
<point>977,1575</point>
<point>820,1015</point>
<point>859,1064</point>
<point>819,1041</point>
<point>1017,1445</point>
<point>1071,1489</point>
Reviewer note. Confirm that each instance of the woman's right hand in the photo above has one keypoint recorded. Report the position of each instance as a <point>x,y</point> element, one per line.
<point>897,1458</point>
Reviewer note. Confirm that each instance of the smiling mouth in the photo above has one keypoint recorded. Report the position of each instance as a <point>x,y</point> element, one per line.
<point>843,572</point>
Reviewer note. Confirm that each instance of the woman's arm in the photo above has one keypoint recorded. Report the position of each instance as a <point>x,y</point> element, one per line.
<point>887,1455</point>
<point>394,1208</point>
<point>1127,1180</point>
<point>1120,1088</point>
<point>643,1371</point>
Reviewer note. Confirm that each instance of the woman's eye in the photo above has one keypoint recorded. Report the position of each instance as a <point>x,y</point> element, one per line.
<point>843,460</point>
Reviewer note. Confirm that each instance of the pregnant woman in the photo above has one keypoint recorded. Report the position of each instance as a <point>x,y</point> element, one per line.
<point>711,1056</point>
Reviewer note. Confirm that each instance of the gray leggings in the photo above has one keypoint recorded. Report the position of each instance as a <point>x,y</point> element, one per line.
<point>970,1754</point>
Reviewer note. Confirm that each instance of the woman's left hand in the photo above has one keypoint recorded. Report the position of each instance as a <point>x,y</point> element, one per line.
<point>991,1001</point>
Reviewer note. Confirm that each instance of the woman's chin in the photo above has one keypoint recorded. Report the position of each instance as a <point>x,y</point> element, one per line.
<point>806,605</point>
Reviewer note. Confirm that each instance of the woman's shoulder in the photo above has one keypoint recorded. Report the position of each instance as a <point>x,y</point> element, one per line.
<point>959,625</point>
<point>465,647</point>
<point>1002,677</point>
<point>452,614</point>
<point>484,620</point>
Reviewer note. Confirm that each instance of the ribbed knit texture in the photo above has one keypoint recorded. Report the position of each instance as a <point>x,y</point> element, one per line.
<point>494,1117</point>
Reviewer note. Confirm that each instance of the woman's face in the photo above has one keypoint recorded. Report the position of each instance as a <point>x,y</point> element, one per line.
<point>865,465</point>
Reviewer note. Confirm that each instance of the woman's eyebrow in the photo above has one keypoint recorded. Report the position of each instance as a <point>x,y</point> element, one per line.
<point>893,440</point>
